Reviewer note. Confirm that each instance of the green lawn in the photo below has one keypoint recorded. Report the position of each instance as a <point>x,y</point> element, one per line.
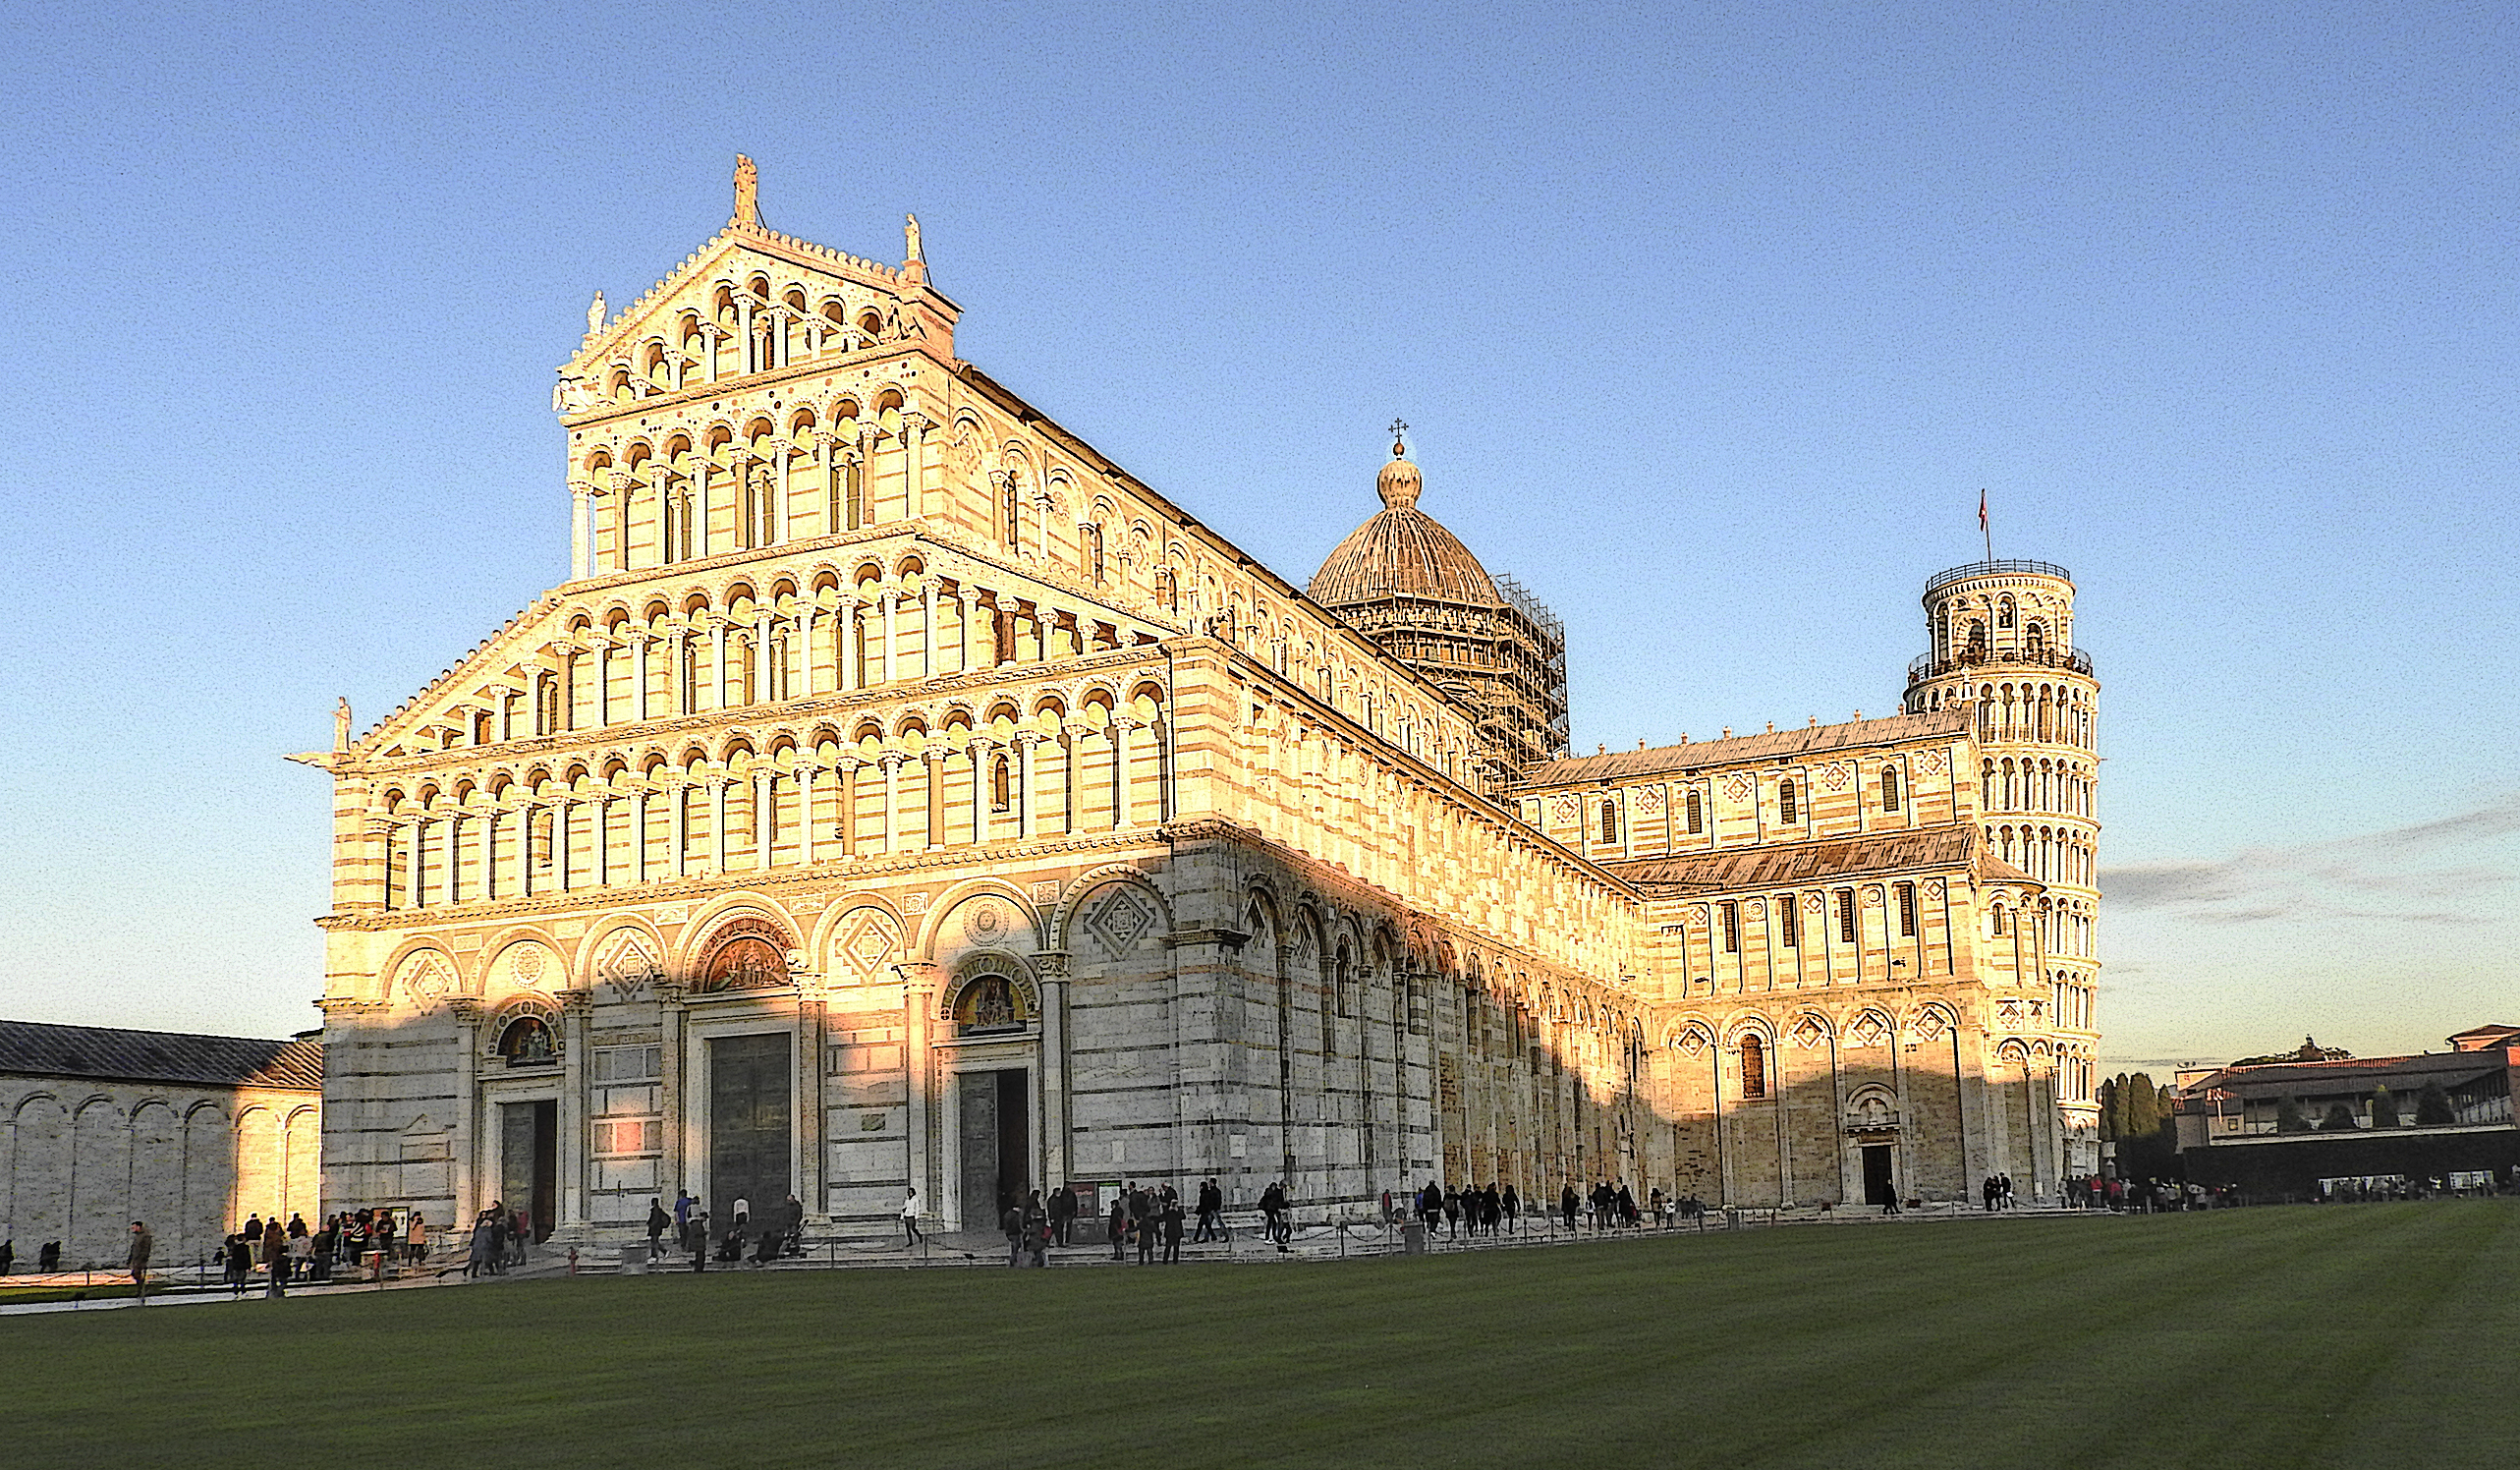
<point>2381,1334</point>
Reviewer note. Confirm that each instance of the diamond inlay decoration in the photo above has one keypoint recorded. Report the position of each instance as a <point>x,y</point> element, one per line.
<point>1649,799</point>
<point>866,942</point>
<point>1737,789</point>
<point>1930,763</point>
<point>1834,778</point>
<point>1121,920</point>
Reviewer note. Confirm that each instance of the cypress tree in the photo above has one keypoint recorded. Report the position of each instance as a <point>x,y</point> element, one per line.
<point>2383,1109</point>
<point>2340,1119</point>
<point>2433,1106</point>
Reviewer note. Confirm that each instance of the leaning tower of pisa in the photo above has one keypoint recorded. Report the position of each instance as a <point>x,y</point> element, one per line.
<point>2000,641</point>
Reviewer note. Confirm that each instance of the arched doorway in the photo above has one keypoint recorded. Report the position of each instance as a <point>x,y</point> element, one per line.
<point>752,1093</point>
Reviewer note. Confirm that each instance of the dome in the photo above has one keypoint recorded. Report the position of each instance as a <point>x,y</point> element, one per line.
<point>1402,552</point>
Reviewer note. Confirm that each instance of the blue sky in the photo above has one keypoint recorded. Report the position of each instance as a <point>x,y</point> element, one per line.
<point>1711,322</point>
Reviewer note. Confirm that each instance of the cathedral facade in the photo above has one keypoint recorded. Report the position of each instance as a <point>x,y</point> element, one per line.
<point>899,794</point>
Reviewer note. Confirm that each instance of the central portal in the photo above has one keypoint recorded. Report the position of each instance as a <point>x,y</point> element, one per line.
<point>996,1143</point>
<point>529,1162</point>
<point>749,1141</point>
<point>1880,1188</point>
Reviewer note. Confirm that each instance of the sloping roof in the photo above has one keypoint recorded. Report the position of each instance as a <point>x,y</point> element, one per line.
<point>1780,745</point>
<point>1804,863</point>
<point>2318,1078</point>
<point>107,1054</point>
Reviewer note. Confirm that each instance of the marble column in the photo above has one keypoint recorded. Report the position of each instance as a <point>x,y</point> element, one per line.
<point>919,1003</point>
<point>891,761</point>
<point>1120,788</point>
<point>1051,966</point>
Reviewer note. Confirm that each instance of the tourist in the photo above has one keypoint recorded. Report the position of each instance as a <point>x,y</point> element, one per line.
<point>7,1256</point>
<point>1211,1211</point>
<point>48,1257</point>
<point>520,1234</point>
<point>239,1263</point>
<point>415,1241</point>
<point>742,1214</point>
<point>1036,1228</point>
<point>1627,1208</point>
<point>791,1228</point>
<point>657,1220</point>
<point>1568,1205</point>
<point>326,1241</point>
<point>476,1260</point>
<point>1172,1221</point>
<point>1118,1226</point>
<point>1513,1207</point>
<point>1149,1226</point>
<point>275,1257</point>
<point>143,1243</point>
<point>699,1237</point>
<point>684,1205</point>
<point>1062,1214</point>
<point>1011,1223</point>
<point>910,1219</point>
<point>302,1248</point>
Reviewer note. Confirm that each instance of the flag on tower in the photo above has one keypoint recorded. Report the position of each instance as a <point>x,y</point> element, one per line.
<point>1982,526</point>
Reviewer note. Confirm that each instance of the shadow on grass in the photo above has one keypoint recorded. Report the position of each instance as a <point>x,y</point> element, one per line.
<point>2277,1337</point>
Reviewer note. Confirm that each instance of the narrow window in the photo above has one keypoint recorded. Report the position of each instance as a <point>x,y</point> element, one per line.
<point>1609,819</point>
<point>1907,911</point>
<point>1889,788</point>
<point>1093,553</point>
<point>2003,614</point>
<point>1001,786</point>
<point>1789,927</point>
<point>1732,927</point>
<point>1999,919</point>
<point>1785,801</point>
<point>1697,813</point>
<point>1754,1067</point>
<point>1846,916</point>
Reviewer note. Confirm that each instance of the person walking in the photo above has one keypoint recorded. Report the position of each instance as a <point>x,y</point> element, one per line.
<point>1119,1227</point>
<point>239,1263</point>
<point>1062,1214</point>
<point>910,1236</point>
<point>657,1220</point>
<point>1036,1229</point>
<point>1211,1211</point>
<point>142,1243</point>
<point>275,1257</point>
<point>1012,1224</point>
<point>1172,1223</point>
<point>1149,1226</point>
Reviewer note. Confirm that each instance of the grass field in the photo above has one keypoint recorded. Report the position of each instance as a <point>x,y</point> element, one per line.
<point>2382,1334</point>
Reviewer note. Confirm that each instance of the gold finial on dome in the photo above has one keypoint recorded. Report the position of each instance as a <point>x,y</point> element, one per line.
<point>1399,483</point>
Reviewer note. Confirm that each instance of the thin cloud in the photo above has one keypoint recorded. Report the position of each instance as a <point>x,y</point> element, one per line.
<point>2394,875</point>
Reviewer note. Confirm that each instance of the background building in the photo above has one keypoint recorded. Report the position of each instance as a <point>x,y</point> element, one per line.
<point>900,795</point>
<point>2300,1127</point>
<point>190,1133</point>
